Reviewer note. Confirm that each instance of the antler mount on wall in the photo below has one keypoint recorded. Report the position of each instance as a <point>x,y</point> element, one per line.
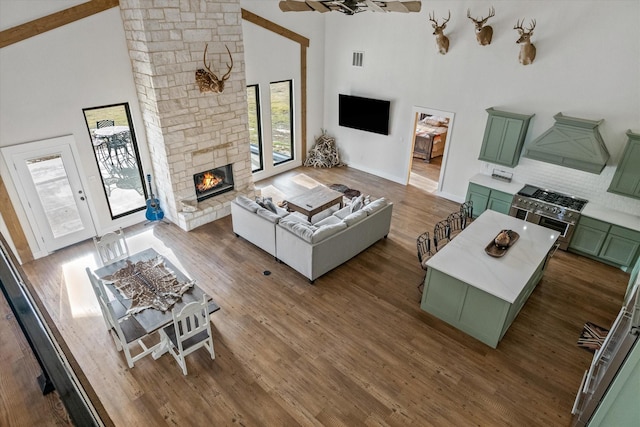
<point>207,80</point>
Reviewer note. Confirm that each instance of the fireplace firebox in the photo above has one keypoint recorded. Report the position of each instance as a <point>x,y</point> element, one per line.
<point>213,182</point>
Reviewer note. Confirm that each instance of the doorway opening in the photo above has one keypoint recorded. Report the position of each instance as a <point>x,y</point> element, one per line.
<point>430,136</point>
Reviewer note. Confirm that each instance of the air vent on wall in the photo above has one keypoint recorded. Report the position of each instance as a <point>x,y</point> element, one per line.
<point>357,59</point>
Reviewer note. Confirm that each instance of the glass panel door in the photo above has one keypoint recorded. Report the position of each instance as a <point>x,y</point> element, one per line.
<point>55,194</point>
<point>48,182</point>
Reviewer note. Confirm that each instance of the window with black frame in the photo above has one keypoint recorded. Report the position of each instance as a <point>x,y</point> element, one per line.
<point>116,152</point>
<point>255,128</point>
<point>282,120</point>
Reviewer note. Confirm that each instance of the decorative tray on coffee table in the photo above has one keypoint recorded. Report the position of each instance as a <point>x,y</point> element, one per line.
<point>498,251</point>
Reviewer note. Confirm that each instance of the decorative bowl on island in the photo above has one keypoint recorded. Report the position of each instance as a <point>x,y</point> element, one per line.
<point>503,239</point>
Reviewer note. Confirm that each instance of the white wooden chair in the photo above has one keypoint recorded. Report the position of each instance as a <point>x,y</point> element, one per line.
<point>126,332</point>
<point>111,247</point>
<point>119,310</point>
<point>191,330</point>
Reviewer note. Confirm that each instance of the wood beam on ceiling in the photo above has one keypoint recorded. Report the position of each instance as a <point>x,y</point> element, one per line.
<point>42,25</point>
<point>13,225</point>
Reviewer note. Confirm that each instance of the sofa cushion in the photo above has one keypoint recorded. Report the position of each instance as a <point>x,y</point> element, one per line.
<point>324,214</point>
<point>300,229</point>
<point>328,221</point>
<point>375,206</point>
<point>268,215</point>
<point>342,213</point>
<point>247,203</point>
<point>298,217</point>
<point>327,230</point>
<point>355,217</point>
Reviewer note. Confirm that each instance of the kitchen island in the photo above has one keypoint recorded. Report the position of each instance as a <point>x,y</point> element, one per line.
<point>480,294</point>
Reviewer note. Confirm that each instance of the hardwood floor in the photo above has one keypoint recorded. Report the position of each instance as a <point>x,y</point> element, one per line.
<point>353,349</point>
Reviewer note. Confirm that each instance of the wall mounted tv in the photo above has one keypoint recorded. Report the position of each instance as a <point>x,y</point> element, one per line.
<point>371,115</point>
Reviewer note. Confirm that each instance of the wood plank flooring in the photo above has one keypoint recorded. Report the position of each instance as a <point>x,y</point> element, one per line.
<point>353,349</point>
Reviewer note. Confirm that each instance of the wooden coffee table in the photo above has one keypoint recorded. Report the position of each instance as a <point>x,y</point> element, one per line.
<point>314,201</point>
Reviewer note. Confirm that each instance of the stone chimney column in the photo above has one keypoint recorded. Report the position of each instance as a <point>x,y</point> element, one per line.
<point>188,131</point>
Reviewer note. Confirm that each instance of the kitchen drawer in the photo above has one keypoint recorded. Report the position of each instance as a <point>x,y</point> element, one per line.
<point>594,223</point>
<point>625,232</point>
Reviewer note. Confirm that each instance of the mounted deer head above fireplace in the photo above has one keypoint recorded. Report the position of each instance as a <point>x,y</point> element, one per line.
<point>207,80</point>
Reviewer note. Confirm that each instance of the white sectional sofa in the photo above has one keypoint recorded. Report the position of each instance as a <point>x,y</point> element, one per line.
<point>255,223</point>
<point>312,249</point>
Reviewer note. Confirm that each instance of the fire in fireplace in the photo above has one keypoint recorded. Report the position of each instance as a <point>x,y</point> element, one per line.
<point>213,182</point>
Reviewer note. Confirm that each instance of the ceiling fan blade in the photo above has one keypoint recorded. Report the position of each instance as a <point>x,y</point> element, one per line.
<point>372,5</point>
<point>294,6</point>
<point>412,6</point>
<point>318,6</point>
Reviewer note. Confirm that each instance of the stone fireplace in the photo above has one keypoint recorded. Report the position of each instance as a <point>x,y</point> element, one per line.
<point>187,131</point>
<point>213,182</point>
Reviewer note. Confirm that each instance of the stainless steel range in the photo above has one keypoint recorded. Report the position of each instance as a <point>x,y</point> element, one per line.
<point>549,209</point>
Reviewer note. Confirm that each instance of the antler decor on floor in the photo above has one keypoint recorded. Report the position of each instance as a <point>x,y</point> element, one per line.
<point>324,153</point>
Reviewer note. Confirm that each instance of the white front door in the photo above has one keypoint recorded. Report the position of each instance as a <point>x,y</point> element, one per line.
<point>47,179</point>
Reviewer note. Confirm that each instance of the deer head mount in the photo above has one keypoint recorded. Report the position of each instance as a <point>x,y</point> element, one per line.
<point>527,49</point>
<point>442,41</point>
<point>207,80</point>
<point>483,33</point>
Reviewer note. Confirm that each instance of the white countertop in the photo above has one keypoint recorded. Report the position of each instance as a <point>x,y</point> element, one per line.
<point>487,181</point>
<point>611,216</point>
<point>592,210</point>
<point>465,259</point>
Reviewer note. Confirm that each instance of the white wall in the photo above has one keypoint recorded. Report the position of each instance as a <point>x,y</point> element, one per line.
<point>48,79</point>
<point>270,57</point>
<point>587,66</point>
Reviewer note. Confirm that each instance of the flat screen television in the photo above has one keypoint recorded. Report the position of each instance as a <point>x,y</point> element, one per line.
<point>371,115</point>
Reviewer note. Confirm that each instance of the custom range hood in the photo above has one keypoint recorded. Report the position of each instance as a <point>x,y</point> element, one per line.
<point>571,142</point>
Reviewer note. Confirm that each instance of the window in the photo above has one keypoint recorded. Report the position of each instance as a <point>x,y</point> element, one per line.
<point>255,128</point>
<point>282,121</point>
<point>116,151</point>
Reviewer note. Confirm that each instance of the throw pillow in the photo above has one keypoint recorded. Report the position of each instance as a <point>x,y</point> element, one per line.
<point>375,206</point>
<point>268,203</point>
<point>355,217</point>
<point>357,203</point>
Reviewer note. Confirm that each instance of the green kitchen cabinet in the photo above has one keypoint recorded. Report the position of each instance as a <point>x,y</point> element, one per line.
<point>626,180</point>
<point>504,137</point>
<point>606,242</point>
<point>479,195</point>
<point>589,236</point>
<point>484,198</point>
<point>500,202</point>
